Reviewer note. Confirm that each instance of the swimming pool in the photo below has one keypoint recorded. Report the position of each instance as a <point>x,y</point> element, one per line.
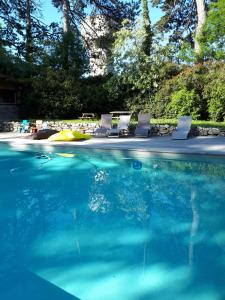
<point>97,225</point>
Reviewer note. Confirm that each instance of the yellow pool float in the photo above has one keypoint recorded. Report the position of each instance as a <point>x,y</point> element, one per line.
<point>68,155</point>
<point>69,135</point>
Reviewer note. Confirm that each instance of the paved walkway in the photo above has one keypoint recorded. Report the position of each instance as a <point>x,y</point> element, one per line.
<point>211,145</point>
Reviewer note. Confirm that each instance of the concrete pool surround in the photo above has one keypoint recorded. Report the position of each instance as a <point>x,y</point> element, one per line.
<point>206,145</point>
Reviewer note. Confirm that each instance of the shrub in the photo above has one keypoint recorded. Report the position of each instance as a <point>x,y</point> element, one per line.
<point>59,94</point>
<point>53,94</point>
<point>214,91</point>
<point>184,102</point>
<point>216,101</point>
<point>189,86</point>
<point>212,38</point>
<point>161,100</point>
<point>94,96</point>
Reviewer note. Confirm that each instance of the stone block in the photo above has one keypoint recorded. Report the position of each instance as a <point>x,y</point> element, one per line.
<point>213,131</point>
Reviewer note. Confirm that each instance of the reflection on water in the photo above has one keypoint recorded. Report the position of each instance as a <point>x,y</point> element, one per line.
<point>104,226</point>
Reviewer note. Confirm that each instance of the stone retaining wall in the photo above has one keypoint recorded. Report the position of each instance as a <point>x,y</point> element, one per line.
<point>157,130</point>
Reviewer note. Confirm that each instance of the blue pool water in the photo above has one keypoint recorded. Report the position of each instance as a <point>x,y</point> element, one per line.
<point>106,225</point>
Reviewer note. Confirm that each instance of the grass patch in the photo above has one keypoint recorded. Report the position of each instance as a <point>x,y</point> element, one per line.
<point>78,121</point>
<point>199,123</point>
<point>173,122</point>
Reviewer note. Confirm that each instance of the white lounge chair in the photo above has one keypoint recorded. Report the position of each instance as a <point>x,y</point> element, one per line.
<point>105,125</point>
<point>143,127</point>
<point>122,127</point>
<point>183,128</point>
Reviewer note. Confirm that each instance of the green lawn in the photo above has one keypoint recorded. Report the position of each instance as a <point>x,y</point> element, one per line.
<point>199,123</point>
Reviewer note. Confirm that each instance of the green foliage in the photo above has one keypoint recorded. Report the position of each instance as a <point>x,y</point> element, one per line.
<point>116,10</point>
<point>184,102</point>
<point>178,20</point>
<point>136,86</point>
<point>22,31</point>
<point>189,81</point>
<point>13,67</point>
<point>197,90</point>
<point>214,92</point>
<point>137,76</point>
<point>94,96</point>
<point>197,123</point>
<point>54,90</point>
<point>67,53</point>
<point>127,48</point>
<point>161,100</point>
<point>217,102</point>
<point>53,94</point>
<point>6,62</point>
<point>132,79</point>
<point>157,81</point>
<point>186,53</point>
<point>147,43</point>
<point>213,36</point>
<point>56,94</point>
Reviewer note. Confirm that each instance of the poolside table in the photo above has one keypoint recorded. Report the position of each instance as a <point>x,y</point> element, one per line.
<point>87,116</point>
<point>118,113</point>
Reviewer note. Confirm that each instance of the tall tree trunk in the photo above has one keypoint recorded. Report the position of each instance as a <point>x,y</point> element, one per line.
<point>147,43</point>
<point>66,22</point>
<point>201,15</point>
<point>66,29</point>
<point>29,42</point>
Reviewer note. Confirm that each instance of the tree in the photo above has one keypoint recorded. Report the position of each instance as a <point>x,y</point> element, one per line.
<point>9,23</point>
<point>179,19</point>
<point>28,42</point>
<point>74,14</point>
<point>184,20</point>
<point>147,43</point>
<point>201,17</point>
<point>137,76</point>
<point>212,38</point>
<point>67,30</point>
<point>21,29</point>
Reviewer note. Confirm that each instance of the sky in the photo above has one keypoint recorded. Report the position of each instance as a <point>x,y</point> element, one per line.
<point>51,14</point>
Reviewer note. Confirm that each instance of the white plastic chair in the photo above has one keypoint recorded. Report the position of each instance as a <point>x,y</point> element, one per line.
<point>105,125</point>
<point>122,127</point>
<point>183,128</point>
<point>143,127</point>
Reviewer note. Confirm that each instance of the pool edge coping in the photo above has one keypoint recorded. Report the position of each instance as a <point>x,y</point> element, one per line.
<point>120,148</point>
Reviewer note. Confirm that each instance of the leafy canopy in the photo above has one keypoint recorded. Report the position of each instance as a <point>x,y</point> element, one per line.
<point>213,35</point>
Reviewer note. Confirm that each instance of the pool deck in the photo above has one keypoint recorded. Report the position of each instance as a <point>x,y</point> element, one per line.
<point>207,145</point>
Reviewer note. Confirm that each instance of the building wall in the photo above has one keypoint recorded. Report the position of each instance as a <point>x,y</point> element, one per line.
<point>9,99</point>
<point>9,112</point>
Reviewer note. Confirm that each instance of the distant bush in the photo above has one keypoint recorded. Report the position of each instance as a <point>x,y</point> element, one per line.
<point>59,94</point>
<point>216,101</point>
<point>53,94</point>
<point>214,91</point>
<point>94,96</point>
<point>134,88</point>
<point>184,102</point>
<point>167,92</point>
<point>161,99</point>
<point>188,85</point>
